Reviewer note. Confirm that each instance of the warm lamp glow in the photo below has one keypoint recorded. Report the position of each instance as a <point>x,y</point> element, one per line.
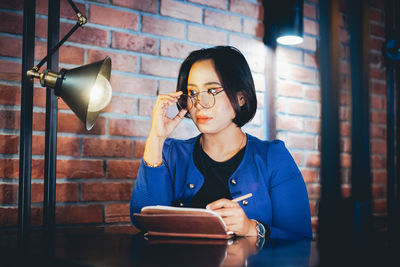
<point>289,40</point>
<point>100,94</point>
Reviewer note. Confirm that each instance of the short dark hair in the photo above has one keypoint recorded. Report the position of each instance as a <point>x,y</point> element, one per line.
<point>234,74</point>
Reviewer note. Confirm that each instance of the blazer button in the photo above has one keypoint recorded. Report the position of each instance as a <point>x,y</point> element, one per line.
<point>181,204</point>
<point>245,202</point>
<point>190,186</point>
<point>233,181</point>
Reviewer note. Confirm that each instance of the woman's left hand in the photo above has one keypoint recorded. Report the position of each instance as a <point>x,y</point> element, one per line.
<point>234,217</point>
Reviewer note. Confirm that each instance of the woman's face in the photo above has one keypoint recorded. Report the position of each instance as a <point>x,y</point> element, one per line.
<point>202,78</point>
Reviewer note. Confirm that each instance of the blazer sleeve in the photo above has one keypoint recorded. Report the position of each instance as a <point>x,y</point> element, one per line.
<point>153,186</point>
<point>290,205</point>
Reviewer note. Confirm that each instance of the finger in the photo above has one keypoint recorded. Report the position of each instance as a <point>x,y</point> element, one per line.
<point>179,117</point>
<point>221,203</point>
<point>228,212</point>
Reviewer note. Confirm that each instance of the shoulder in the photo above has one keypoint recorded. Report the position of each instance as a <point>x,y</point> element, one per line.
<point>264,146</point>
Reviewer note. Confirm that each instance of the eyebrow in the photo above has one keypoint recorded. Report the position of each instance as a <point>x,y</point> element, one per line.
<point>209,83</point>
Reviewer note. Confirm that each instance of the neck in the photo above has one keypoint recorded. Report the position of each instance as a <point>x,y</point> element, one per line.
<point>223,145</point>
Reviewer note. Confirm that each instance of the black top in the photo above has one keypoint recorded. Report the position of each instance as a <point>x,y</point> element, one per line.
<point>216,175</point>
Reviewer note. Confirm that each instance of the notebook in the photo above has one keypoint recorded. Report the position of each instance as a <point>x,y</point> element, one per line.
<point>166,221</point>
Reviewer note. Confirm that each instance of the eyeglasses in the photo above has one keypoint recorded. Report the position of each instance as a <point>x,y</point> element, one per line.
<point>205,99</point>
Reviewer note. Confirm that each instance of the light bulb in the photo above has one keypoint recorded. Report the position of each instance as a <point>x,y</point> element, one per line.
<point>290,40</point>
<point>100,94</point>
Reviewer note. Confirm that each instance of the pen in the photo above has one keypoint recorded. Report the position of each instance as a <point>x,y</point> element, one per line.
<point>242,197</point>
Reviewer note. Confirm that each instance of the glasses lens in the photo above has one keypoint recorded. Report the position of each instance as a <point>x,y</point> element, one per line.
<point>207,100</point>
<point>184,102</point>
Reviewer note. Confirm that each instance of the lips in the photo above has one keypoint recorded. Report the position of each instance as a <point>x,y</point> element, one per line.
<point>203,119</point>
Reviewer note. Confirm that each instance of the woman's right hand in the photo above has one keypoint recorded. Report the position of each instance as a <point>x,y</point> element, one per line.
<point>161,125</point>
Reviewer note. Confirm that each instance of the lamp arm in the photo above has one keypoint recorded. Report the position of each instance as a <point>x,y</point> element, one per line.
<point>79,23</point>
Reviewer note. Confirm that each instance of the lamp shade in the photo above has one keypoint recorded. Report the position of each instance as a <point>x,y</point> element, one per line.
<point>86,89</point>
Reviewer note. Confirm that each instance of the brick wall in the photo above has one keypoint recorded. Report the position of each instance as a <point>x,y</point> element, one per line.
<point>147,41</point>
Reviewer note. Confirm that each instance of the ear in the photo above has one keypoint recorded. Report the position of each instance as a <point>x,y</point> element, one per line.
<point>241,99</point>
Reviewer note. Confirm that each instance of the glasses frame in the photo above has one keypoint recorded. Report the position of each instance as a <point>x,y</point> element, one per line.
<point>195,99</point>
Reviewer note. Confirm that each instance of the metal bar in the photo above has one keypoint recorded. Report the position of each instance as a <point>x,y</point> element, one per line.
<point>360,132</point>
<point>50,157</point>
<point>73,6</point>
<point>25,155</point>
<point>269,97</point>
<point>55,48</point>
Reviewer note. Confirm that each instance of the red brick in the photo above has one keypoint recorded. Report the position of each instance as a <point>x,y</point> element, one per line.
<point>378,131</point>
<point>67,54</point>
<point>313,159</point>
<point>378,117</point>
<point>375,44</point>
<point>146,106</point>
<point>66,10</point>
<point>285,88</point>
<point>377,73</point>
<point>310,60</point>
<point>9,119</point>
<point>310,27</point>
<point>253,28</point>
<point>159,67</point>
<point>10,95</point>
<point>113,17</point>
<point>9,168</point>
<point>284,54</point>
<point>295,73</point>
<point>376,59</point>
<point>260,100</point>
<point>301,141</point>
<point>378,191</point>
<point>378,87</point>
<point>163,27</point>
<point>39,97</point>
<point>65,192</point>
<point>8,216</point>
<point>10,70</point>
<point>345,129</point>
<point>378,162</point>
<point>105,191</point>
<point>133,85</point>
<point>298,157</point>
<point>245,44</point>
<point>259,82</point>
<point>10,46</point>
<point>139,148</point>
<point>124,105</point>
<point>312,126</point>
<point>380,205</point>
<point>309,175</point>
<point>309,11</point>
<point>344,36</point>
<point>206,36</point>
<point>309,43</point>
<point>86,35</point>
<point>11,22</point>
<point>107,148</point>
<point>297,107</point>
<point>289,123</point>
<point>181,11</point>
<point>80,169</point>
<point>8,193</point>
<point>129,127</point>
<point>9,144</point>
<point>345,145</point>
<point>314,191</point>
<point>345,160</point>
<point>120,61</point>
<point>65,145</point>
<point>313,207</point>
<point>220,4</point>
<point>312,93</point>
<point>15,4</point>
<point>377,30</point>
<point>122,168</point>
<point>379,176</point>
<point>117,213</point>
<point>346,191</point>
<point>378,102</point>
<point>247,9</point>
<point>166,87</point>
<point>221,20</point>
<point>175,49</point>
<point>79,214</point>
<point>70,123</point>
<point>41,27</point>
<point>133,42</point>
<point>147,6</point>
<point>256,65</point>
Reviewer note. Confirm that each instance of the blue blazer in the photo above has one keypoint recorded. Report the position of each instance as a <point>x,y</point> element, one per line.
<point>267,170</point>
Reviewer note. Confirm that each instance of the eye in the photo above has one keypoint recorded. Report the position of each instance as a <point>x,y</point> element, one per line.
<point>192,92</point>
<point>212,91</point>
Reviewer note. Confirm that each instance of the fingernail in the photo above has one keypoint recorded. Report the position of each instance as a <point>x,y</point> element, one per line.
<point>207,207</point>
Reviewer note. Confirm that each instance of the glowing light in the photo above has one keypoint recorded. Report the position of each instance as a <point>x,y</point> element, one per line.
<point>289,40</point>
<point>100,94</point>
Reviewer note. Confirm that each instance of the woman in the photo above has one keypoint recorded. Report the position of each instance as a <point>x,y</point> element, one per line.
<point>216,90</point>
